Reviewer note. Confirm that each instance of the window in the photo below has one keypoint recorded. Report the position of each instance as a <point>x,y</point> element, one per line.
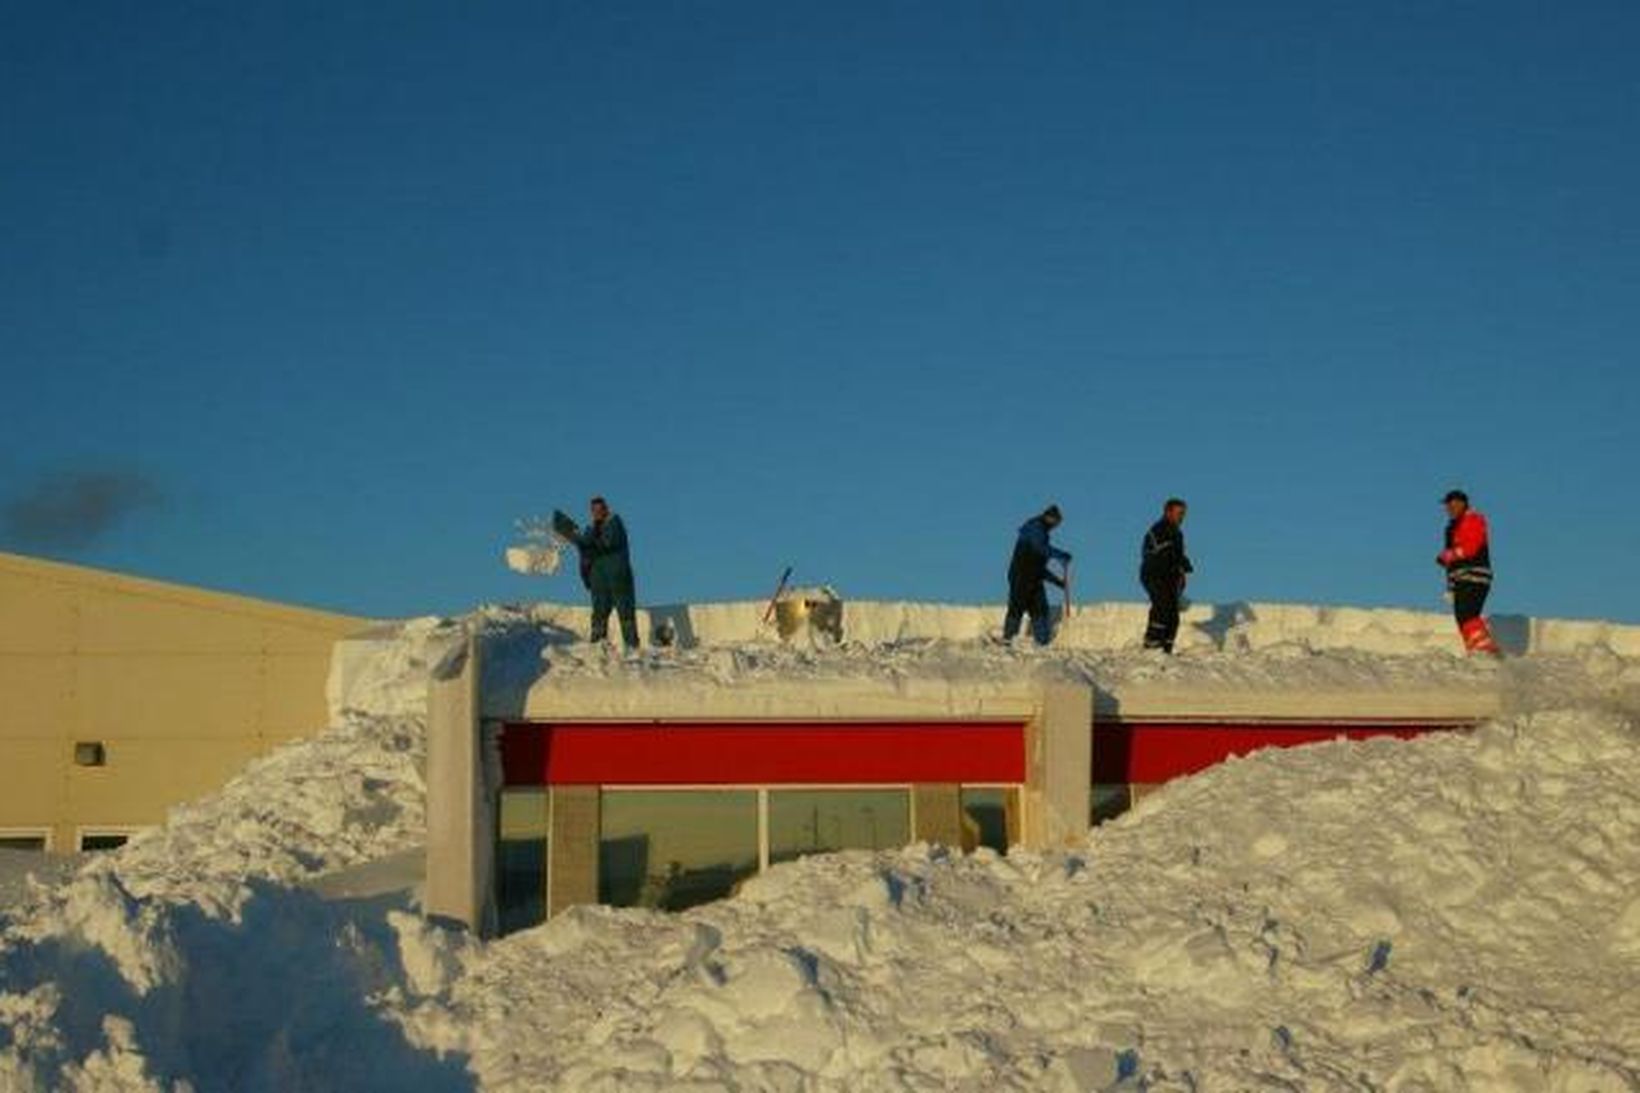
<point>92,841</point>
<point>37,840</point>
<point>521,858</point>
<point>813,821</point>
<point>1108,802</point>
<point>990,817</point>
<point>672,849</point>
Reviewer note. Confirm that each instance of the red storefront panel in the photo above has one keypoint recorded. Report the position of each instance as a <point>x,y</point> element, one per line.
<point>1154,751</point>
<point>766,753</point>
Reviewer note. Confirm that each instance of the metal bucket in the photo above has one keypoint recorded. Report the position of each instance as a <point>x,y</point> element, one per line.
<point>817,612</point>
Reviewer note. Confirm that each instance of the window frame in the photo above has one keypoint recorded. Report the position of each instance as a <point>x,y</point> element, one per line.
<point>763,789</point>
<point>546,862</point>
<point>29,831</point>
<point>759,800</point>
<point>764,849</point>
<point>99,831</point>
<point>1015,799</point>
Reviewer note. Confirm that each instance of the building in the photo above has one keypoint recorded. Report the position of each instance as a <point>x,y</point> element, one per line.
<point>121,697</point>
<point>667,797</point>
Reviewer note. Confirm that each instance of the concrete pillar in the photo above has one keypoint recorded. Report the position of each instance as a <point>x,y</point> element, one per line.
<point>1059,767</point>
<point>460,842</point>
<point>936,811</point>
<point>1014,819</point>
<point>573,856</point>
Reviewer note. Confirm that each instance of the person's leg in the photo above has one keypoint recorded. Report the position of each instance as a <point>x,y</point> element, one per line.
<point>1158,630</point>
<point>1468,601</point>
<point>1170,617</point>
<point>626,608</point>
<point>1041,621</point>
<point>1016,611</point>
<point>603,601</point>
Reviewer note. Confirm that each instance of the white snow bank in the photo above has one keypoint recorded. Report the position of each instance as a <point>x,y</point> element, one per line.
<point>1453,913</point>
<point>934,655</point>
<point>1308,672</point>
<point>104,991</point>
<point>1118,626</point>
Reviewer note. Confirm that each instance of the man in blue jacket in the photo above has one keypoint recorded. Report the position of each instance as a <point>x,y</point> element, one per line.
<point>1027,573</point>
<point>1163,570</point>
<point>606,570</point>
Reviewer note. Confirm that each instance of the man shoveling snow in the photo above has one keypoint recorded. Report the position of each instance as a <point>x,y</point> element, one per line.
<point>1028,575</point>
<point>606,570</point>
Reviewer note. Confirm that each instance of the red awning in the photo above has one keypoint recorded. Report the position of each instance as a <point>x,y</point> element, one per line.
<point>763,753</point>
<point>1156,751</point>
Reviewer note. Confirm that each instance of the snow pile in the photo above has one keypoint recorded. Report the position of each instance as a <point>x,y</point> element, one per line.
<point>1457,912</point>
<point>104,991</point>
<point>744,679</point>
<point>1453,913</point>
<point>349,796</point>
<point>1108,627</point>
<point>197,957</point>
<point>22,870</point>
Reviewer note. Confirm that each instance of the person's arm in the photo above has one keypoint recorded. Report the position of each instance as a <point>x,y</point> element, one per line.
<point>1035,534</point>
<point>1467,539</point>
<point>564,526</point>
<point>1184,559</point>
<point>614,535</point>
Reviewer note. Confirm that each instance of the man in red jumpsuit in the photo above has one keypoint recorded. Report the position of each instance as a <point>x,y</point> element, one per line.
<point>1468,562</point>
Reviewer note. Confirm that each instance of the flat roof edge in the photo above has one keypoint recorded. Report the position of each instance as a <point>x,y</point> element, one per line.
<point>170,591</point>
<point>773,701</point>
<point>933,698</point>
<point>865,700</point>
<point>1342,704</point>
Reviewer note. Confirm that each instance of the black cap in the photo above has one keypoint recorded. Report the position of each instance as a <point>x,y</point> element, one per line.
<point>1052,510</point>
<point>1455,495</point>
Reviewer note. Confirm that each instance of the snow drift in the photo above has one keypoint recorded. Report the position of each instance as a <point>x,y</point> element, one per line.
<point>1457,912</point>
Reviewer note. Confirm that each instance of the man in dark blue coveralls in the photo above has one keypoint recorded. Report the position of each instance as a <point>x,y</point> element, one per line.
<point>606,570</point>
<point>1027,573</point>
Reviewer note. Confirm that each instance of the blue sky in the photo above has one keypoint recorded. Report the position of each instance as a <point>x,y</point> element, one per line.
<point>326,295</point>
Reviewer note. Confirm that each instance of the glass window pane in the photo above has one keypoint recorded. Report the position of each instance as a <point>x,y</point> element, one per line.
<point>673,849</point>
<point>521,859</point>
<point>988,816</point>
<point>103,841</point>
<point>1109,801</point>
<point>813,821</point>
<point>22,842</point>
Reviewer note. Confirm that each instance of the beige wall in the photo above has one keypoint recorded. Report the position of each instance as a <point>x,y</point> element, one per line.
<point>182,687</point>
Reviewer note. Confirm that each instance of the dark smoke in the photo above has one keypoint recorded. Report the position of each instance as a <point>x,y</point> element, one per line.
<point>69,510</point>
